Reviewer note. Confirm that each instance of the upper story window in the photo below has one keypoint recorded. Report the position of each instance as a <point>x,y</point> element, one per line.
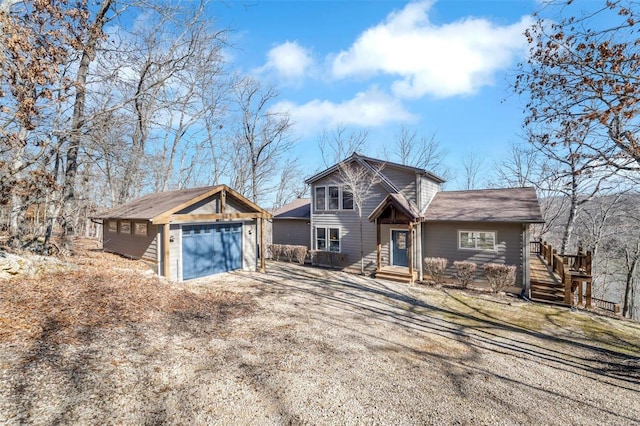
<point>477,240</point>
<point>332,197</point>
<point>320,197</point>
<point>347,199</point>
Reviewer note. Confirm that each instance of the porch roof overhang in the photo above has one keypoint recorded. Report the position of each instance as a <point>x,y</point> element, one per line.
<point>400,203</point>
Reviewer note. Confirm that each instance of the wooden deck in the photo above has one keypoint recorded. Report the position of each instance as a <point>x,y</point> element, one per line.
<point>541,272</point>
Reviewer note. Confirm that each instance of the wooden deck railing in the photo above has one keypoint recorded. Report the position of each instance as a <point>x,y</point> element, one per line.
<point>607,305</point>
<point>573,269</point>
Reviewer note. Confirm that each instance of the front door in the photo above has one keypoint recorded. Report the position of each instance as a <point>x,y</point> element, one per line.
<point>400,250</point>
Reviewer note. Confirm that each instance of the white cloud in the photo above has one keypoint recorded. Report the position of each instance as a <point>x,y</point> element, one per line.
<point>446,60</point>
<point>289,60</point>
<point>367,109</point>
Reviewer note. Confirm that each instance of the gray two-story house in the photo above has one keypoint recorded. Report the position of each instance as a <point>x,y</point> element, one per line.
<point>407,218</point>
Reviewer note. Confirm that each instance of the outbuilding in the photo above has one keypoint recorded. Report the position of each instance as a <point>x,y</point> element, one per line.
<point>190,233</point>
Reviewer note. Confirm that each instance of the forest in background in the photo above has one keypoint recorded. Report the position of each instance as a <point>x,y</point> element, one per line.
<point>98,108</point>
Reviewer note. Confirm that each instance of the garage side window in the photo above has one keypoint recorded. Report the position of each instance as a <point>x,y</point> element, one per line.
<point>125,227</point>
<point>477,240</point>
<point>113,226</point>
<point>140,229</point>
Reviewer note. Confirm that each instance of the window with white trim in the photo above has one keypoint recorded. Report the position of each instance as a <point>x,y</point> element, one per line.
<point>113,226</point>
<point>347,199</point>
<point>320,197</point>
<point>332,197</point>
<point>328,239</point>
<point>477,240</point>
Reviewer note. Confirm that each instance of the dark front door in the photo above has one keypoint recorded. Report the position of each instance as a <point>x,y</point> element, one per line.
<point>400,250</point>
<point>210,249</point>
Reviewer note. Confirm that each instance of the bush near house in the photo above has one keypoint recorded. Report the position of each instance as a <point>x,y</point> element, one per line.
<point>500,276</point>
<point>435,266</point>
<point>464,271</point>
<point>289,252</point>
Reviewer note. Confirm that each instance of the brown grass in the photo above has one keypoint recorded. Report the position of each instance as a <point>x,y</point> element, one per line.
<point>101,290</point>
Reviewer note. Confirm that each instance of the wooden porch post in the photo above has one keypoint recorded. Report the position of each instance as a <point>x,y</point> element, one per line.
<point>566,279</point>
<point>411,252</point>
<point>378,248</point>
<point>166,229</point>
<point>262,252</point>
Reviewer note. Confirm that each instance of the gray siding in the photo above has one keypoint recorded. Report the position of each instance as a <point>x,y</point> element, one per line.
<point>404,180</point>
<point>440,239</point>
<point>210,205</point>
<point>348,222</point>
<point>130,245</point>
<point>428,189</point>
<point>175,253</point>
<point>291,231</point>
<point>249,245</point>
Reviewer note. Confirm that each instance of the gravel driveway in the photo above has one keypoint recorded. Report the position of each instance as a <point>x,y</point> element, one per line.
<point>312,346</point>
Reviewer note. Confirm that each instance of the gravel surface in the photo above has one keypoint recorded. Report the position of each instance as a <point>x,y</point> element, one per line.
<point>311,346</point>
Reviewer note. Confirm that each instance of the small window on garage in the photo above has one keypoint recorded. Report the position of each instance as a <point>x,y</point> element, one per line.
<point>113,226</point>
<point>125,227</point>
<point>140,229</point>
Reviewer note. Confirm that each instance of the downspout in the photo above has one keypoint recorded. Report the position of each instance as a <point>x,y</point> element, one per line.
<point>419,250</point>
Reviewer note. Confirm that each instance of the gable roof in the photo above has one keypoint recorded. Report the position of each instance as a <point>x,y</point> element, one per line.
<point>486,205</point>
<point>300,208</point>
<point>401,203</point>
<point>367,163</point>
<point>160,204</point>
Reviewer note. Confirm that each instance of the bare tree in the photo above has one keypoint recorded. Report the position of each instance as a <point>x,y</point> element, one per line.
<point>339,143</point>
<point>291,185</point>
<point>415,150</point>
<point>261,141</point>
<point>359,178</point>
<point>473,172</point>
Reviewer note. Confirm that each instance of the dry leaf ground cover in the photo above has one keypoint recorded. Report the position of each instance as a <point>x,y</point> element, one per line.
<point>104,342</point>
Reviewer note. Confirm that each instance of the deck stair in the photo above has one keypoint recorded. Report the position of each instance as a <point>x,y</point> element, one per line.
<point>560,278</point>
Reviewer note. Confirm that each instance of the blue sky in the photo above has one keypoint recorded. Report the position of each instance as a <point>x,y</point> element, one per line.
<point>438,67</point>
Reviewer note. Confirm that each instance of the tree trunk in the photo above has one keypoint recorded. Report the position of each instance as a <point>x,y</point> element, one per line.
<point>628,291</point>
<point>77,122</point>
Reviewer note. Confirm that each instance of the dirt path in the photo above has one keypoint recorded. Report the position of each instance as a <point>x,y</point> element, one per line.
<point>308,346</point>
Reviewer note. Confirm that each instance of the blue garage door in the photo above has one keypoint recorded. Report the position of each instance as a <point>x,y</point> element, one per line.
<point>211,249</point>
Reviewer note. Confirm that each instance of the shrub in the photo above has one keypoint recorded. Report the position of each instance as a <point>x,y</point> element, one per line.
<point>300,253</point>
<point>464,271</point>
<point>288,252</point>
<point>435,266</point>
<point>275,250</point>
<point>500,276</point>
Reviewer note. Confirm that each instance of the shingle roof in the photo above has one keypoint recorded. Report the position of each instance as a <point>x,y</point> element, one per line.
<point>299,208</point>
<point>486,205</point>
<point>153,205</point>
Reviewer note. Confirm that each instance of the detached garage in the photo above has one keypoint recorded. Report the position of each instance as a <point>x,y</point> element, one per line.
<point>190,233</point>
